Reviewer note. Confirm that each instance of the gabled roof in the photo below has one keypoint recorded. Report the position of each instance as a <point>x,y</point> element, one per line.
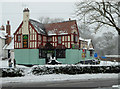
<point>60,28</point>
<point>38,26</point>
<point>10,46</point>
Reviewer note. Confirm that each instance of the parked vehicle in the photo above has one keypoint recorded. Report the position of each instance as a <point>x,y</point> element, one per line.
<point>90,61</point>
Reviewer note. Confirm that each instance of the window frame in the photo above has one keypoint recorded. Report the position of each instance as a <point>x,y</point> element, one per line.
<point>17,39</point>
<point>58,52</point>
<point>59,39</point>
<point>91,53</point>
<point>75,38</point>
<point>49,39</point>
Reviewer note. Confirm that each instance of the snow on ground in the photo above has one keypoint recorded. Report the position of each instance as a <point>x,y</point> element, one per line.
<point>116,86</point>
<point>54,77</point>
<point>57,77</point>
<point>4,64</point>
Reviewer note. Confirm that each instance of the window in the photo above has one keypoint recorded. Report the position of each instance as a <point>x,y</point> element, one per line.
<point>49,39</point>
<point>59,40</point>
<point>60,53</point>
<point>41,39</point>
<point>75,37</point>
<point>18,38</point>
<point>42,53</point>
<point>91,52</point>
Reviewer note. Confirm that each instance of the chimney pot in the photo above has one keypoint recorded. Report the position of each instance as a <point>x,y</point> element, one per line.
<point>8,22</point>
<point>69,18</point>
<point>26,10</point>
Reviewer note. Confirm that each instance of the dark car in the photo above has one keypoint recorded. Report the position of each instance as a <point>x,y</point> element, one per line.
<point>53,62</point>
<point>90,61</point>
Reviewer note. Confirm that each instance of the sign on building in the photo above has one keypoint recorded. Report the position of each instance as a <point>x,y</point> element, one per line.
<point>25,41</point>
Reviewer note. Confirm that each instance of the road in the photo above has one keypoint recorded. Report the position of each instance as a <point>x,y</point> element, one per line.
<point>81,84</point>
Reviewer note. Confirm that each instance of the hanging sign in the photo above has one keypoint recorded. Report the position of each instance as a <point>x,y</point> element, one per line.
<point>25,41</point>
<point>83,55</point>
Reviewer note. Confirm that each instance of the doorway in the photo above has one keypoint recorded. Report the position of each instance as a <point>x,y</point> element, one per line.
<point>8,53</point>
<point>49,55</point>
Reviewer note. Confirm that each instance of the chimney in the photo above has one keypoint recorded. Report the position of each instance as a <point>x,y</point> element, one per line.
<point>8,28</point>
<point>69,19</point>
<point>2,28</point>
<point>25,21</point>
<point>8,31</point>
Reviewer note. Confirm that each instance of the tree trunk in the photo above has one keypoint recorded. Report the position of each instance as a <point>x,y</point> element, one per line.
<point>119,43</point>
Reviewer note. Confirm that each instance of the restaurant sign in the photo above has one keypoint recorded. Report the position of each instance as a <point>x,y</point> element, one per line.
<point>25,41</point>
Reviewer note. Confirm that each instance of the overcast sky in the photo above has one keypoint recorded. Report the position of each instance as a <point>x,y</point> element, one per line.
<point>13,11</point>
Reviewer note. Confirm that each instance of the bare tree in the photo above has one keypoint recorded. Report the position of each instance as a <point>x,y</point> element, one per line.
<point>46,20</point>
<point>106,44</point>
<point>84,31</point>
<point>99,14</point>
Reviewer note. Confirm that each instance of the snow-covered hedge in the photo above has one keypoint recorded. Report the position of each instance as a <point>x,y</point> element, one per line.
<point>12,72</point>
<point>74,69</point>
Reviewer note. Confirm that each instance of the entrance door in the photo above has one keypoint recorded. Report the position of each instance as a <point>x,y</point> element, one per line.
<point>49,55</point>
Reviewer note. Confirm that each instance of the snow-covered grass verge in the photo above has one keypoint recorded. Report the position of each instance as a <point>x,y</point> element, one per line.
<point>12,72</point>
<point>116,87</point>
<point>57,77</point>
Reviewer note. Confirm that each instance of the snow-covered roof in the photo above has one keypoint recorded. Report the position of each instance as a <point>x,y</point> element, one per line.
<point>63,33</point>
<point>11,45</point>
<point>91,48</point>
<point>88,40</point>
<point>38,26</point>
<point>61,28</point>
<point>51,34</point>
<point>5,46</point>
<point>2,34</point>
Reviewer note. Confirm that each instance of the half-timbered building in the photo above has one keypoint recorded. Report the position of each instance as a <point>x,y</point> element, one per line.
<point>35,42</point>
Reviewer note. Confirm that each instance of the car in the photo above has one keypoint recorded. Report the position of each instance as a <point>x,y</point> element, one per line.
<point>90,61</point>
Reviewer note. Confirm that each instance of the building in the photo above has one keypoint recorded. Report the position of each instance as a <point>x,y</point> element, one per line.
<point>87,45</point>
<point>2,41</point>
<point>10,48</point>
<point>5,39</point>
<point>35,42</point>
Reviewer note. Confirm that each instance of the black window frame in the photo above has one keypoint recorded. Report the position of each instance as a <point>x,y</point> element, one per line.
<point>60,53</point>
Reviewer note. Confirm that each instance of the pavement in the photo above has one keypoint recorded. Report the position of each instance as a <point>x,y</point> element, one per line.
<point>80,84</point>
